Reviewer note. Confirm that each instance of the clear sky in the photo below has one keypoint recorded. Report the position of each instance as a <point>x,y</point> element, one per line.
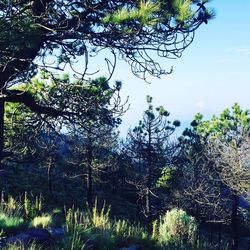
<point>213,73</point>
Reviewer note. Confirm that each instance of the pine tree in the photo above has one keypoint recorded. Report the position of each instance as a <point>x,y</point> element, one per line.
<point>150,149</point>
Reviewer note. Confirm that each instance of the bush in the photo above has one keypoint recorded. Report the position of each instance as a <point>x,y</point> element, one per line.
<point>42,221</point>
<point>10,206</point>
<point>10,224</point>
<point>177,227</point>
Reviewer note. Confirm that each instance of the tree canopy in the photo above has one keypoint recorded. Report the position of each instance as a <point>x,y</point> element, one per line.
<point>227,137</point>
<point>51,34</point>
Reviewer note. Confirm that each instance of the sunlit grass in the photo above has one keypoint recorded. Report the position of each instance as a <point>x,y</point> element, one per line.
<point>42,221</point>
<point>10,224</point>
<point>94,229</point>
<point>20,246</point>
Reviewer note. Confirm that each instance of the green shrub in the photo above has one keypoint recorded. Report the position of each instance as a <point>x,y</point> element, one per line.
<point>10,224</point>
<point>42,221</point>
<point>32,207</point>
<point>10,206</point>
<point>176,227</point>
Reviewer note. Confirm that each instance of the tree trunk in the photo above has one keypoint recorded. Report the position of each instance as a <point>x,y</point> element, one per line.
<point>196,195</point>
<point>149,179</point>
<point>89,162</point>
<point>148,204</point>
<point>219,237</point>
<point>1,130</point>
<point>49,176</point>
<point>234,224</point>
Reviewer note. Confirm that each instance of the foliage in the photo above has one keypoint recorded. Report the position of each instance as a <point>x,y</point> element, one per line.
<point>228,125</point>
<point>225,148</point>
<point>20,246</point>
<point>200,190</point>
<point>10,224</point>
<point>33,32</point>
<point>100,220</point>
<point>90,104</point>
<point>177,227</point>
<point>32,207</point>
<point>228,146</point>
<point>151,149</point>
<point>94,229</point>
<point>101,231</point>
<point>15,215</point>
<point>10,206</point>
<point>166,178</point>
<point>42,221</point>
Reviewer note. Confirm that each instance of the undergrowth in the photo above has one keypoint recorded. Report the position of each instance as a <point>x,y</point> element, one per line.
<point>93,228</point>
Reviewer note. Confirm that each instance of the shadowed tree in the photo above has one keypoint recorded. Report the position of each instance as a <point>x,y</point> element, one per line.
<point>91,156</point>
<point>150,148</point>
<point>31,141</point>
<point>227,137</point>
<point>93,109</point>
<point>95,129</point>
<point>201,190</point>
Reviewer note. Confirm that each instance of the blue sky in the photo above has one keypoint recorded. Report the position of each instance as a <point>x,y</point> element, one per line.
<point>212,74</point>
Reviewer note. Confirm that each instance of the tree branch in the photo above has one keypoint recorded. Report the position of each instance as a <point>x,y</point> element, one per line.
<point>28,100</point>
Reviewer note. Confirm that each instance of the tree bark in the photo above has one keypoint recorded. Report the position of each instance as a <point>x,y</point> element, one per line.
<point>89,162</point>
<point>149,179</point>
<point>234,224</point>
<point>17,96</point>
<point>50,176</point>
<point>1,130</point>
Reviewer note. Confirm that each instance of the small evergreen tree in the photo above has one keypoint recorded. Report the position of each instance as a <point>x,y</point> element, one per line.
<point>150,148</point>
<point>93,130</point>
